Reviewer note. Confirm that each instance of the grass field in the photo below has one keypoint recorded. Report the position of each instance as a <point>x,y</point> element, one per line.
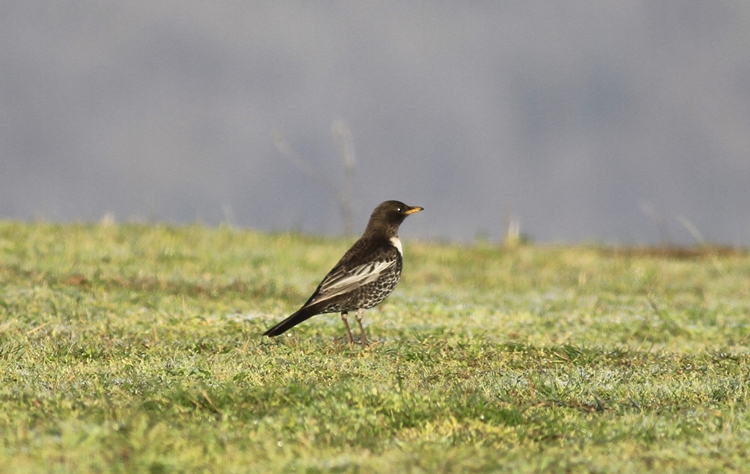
<point>137,348</point>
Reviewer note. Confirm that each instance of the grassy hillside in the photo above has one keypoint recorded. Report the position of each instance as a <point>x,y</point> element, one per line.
<point>134,348</point>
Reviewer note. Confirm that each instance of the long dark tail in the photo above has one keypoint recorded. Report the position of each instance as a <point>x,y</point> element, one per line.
<point>304,313</point>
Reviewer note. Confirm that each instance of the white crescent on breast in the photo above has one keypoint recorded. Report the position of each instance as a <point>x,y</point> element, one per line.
<point>397,243</point>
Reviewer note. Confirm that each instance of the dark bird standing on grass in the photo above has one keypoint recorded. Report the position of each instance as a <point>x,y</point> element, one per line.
<point>365,275</point>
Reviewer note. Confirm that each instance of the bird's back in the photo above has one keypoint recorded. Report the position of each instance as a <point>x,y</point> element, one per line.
<point>364,277</point>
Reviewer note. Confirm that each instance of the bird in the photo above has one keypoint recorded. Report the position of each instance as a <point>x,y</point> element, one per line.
<point>365,276</point>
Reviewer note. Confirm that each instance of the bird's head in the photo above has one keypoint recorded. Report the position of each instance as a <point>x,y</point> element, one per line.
<point>389,215</point>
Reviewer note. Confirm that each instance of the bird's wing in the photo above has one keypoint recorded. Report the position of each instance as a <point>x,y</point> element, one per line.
<point>343,280</point>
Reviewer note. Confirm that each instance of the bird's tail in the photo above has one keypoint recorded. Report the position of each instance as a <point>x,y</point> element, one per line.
<point>303,314</point>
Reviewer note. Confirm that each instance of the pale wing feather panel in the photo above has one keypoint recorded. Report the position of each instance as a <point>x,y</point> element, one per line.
<point>343,281</point>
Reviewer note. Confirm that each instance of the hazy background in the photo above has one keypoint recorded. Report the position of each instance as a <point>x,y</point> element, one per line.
<point>588,120</point>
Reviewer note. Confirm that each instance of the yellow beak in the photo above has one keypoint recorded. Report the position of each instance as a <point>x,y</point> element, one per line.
<point>413,210</point>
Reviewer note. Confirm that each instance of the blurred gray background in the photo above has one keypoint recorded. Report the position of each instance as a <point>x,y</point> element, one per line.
<point>611,121</point>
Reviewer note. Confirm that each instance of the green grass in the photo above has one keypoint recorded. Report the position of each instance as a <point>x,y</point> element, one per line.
<point>135,348</point>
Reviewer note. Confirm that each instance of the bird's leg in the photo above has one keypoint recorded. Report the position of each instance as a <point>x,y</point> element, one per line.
<point>360,313</point>
<point>348,331</point>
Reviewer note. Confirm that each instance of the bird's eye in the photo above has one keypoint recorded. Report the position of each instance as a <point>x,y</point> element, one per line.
<point>399,209</point>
